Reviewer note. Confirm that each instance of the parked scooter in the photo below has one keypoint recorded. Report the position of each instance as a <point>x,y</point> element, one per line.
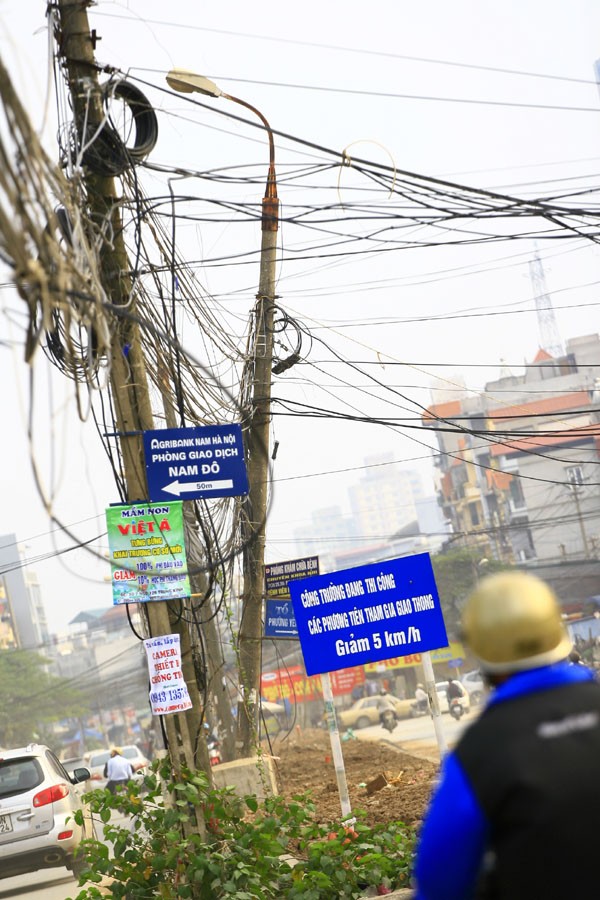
<point>214,746</point>
<point>214,751</point>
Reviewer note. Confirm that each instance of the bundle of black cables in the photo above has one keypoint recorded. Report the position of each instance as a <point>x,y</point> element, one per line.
<point>105,152</point>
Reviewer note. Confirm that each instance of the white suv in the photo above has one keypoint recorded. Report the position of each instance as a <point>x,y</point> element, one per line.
<point>475,685</point>
<point>37,802</point>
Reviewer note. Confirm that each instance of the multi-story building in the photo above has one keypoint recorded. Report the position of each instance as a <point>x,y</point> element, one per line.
<point>329,529</point>
<point>22,612</point>
<point>384,499</point>
<point>518,466</point>
<point>390,516</point>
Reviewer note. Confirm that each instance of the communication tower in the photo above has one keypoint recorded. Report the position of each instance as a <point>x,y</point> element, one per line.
<point>548,329</point>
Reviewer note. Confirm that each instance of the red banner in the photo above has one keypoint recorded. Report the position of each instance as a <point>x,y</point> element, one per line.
<point>292,684</point>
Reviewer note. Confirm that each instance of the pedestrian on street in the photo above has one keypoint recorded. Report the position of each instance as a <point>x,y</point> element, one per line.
<point>118,770</point>
<point>514,815</point>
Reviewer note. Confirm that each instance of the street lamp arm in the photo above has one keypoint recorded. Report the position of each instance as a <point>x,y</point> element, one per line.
<point>271,192</point>
<point>186,82</point>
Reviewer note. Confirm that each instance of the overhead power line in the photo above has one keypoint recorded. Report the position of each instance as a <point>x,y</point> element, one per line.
<point>360,50</point>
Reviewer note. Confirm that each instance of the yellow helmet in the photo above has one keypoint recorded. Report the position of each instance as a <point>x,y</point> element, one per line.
<point>512,622</point>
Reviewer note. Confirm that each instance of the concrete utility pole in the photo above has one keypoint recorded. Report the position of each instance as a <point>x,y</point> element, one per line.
<point>129,386</point>
<point>256,431</point>
<point>257,454</point>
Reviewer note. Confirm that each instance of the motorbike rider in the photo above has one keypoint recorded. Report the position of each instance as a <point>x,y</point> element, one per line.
<point>454,691</point>
<point>421,699</point>
<point>514,813</point>
<point>388,718</point>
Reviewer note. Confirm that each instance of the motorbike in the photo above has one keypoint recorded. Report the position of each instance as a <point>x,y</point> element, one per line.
<point>388,720</point>
<point>419,709</point>
<point>214,751</point>
<point>456,708</point>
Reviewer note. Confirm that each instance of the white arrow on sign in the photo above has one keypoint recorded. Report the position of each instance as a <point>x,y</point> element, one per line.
<point>182,487</point>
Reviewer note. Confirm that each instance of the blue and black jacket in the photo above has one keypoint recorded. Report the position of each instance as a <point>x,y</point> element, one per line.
<point>515,814</point>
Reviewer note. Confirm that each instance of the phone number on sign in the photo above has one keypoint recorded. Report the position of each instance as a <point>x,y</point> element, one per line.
<point>169,695</point>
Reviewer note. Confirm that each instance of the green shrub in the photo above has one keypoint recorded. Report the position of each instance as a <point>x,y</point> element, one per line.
<point>250,849</point>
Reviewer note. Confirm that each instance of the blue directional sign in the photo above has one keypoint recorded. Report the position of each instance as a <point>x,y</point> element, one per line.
<point>280,621</point>
<point>456,663</point>
<point>369,613</point>
<point>190,463</point>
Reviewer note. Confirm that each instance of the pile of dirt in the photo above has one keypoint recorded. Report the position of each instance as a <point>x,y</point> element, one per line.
<point>305,765</point>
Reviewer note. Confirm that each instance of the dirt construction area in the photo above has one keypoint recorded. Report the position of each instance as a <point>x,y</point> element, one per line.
<point>387,784</point>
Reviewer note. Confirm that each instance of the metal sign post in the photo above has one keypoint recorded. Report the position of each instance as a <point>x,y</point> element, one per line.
<point>336,746</point>
<point>434,703</point>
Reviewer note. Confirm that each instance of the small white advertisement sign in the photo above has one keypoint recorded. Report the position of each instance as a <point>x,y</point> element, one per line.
<point>168,690</point>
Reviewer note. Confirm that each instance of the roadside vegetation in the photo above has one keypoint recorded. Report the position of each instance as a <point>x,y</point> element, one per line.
<point>28,713</point>
<point>251,848</point>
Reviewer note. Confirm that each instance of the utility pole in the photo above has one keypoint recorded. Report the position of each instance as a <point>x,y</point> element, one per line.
<point>215,663</point>
<point>254,508</point>
<point>575,482</point>
<point>256,430</point>
<point>128,380</point>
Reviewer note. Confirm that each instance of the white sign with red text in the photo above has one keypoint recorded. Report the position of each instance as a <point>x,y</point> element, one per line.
<point>168,690</point>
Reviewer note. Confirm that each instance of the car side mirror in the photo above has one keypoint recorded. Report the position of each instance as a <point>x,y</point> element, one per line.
<point>80,775</point>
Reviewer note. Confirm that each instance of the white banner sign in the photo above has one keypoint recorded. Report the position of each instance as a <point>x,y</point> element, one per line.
<point>168,691</point>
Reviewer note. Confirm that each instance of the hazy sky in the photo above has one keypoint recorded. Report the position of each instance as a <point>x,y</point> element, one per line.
<point>388,81</point>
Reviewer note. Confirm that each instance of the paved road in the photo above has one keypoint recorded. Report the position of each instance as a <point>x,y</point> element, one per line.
<point>417,735</point>
<point>52,884</point>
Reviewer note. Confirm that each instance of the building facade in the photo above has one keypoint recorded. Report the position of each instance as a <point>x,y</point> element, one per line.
<point>22,614</point>
<point>518,464</point>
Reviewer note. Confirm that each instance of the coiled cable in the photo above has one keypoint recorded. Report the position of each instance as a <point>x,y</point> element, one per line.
<point>105,152</point>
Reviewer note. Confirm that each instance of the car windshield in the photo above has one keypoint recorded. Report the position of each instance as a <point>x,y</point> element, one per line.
<point>98,759</point>
<point>19,775</point>
<point>130,752</point>
<point>74,763</point>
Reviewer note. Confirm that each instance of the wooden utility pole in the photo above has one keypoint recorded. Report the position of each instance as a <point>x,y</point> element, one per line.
<point>128,380</point>
<point>215,663</point>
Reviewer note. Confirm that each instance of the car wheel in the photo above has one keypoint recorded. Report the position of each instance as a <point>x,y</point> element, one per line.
<point>363,722</point>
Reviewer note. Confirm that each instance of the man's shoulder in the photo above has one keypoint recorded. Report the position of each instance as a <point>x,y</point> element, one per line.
<point>523,712</point>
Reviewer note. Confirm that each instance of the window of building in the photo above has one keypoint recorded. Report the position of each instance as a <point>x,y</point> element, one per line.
<point>474,513</point>
<point>516,493</point>
<point>574,474</point>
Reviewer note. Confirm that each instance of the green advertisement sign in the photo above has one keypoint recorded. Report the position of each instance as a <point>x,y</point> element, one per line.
<point>147,552</point>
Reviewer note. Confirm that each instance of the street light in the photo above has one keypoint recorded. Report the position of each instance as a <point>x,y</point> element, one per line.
<point>257,427</point>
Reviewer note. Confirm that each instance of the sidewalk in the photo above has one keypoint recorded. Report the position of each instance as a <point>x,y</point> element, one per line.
<point>403,894</point>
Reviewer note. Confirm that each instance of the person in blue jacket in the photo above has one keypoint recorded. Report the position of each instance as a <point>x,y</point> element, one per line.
<point>515,813</point>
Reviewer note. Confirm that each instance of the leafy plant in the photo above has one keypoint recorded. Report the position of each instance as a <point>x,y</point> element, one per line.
<point>250,849</point>
<point>27,712</point>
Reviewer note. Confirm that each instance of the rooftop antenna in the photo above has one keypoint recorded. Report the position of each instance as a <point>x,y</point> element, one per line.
<point>548,329</point>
